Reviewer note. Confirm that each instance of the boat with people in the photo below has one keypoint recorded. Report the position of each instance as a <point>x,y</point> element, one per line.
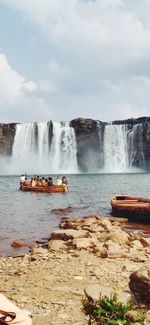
<point>133,208</point>
<point>45,189</point>
<point>46,185</point>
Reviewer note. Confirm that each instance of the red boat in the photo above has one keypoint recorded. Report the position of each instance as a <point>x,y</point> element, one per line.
<point>133,208</point>
<point>45,189</point>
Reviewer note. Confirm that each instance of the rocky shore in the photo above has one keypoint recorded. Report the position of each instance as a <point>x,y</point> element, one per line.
<point>83,256</point>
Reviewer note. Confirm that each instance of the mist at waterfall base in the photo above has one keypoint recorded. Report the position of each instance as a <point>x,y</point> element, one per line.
<point>38,150</point>
<point>29,216</point>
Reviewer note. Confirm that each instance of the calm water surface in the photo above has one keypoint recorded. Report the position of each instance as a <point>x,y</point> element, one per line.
<point>28,215</point>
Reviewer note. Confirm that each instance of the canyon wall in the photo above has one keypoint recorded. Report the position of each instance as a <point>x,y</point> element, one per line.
<point>7,134</point>
<point>89,141</point>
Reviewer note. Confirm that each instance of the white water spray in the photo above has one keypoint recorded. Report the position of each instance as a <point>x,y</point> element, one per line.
<point>24,153</point>
<point>33,154</point>
<point>63,149</point>
<point>115,149</point>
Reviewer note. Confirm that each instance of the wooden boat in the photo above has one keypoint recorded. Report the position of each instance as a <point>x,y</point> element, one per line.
<point>133,208</point>
<point>45,189</point>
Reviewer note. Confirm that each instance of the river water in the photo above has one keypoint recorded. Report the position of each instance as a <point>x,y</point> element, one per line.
<point>29,216</point>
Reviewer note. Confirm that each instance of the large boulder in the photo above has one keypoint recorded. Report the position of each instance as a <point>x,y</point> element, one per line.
<point>140,284</point>
<point>96,291</point>
<point>118,236</point>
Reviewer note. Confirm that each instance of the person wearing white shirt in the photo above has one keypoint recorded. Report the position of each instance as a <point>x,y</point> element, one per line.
<point>23,178</point>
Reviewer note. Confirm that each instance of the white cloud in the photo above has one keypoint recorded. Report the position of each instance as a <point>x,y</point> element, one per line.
<point>98,60</point>
<point>126,111</point>
<point>46,86</point>
<point>10,83</point>
<point>16,100</point>
<point>92,28</point>
<point>30,86</point>
<point>130,96</point>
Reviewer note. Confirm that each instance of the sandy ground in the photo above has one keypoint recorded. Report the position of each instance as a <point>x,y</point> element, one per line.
<point>51,284</point>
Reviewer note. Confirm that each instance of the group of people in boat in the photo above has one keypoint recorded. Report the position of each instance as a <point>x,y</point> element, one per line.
<point>38,181</point>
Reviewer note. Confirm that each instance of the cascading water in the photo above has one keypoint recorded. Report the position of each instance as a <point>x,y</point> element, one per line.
<point>63,149</point>
<point>135,146</point>
<point>43,147</point>
<point>24,149</point>
<point>101,140</point>
<point>50,148</point>
<point>34,151</point>
<point>115,149</point>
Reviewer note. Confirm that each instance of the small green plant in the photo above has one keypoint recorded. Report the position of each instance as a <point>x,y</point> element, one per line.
<point>109,311</point>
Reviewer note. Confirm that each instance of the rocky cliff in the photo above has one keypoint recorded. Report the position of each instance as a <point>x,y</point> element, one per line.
<point>89,143</point>
<point>7,134</point>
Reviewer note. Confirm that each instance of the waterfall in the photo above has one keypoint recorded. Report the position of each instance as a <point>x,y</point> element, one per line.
<point>24,149</point>
<point>101,140</point>
<point>115,149</point>
<point>43,147</point>
<point>51,148</point>
<point>135,146</point>
<point>36,150</point>
<point>63,149</point>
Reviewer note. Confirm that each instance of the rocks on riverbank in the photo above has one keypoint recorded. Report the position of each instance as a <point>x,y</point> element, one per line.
<point>51,280</point>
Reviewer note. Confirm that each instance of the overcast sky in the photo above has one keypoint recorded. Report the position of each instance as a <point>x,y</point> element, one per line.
<point>63,59</point>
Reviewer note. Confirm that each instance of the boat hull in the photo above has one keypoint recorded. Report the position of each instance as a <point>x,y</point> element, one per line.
<point>134,208</point>
<point>44,189</point>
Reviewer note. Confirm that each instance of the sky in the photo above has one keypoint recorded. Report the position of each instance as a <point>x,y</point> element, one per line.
<point>64,59</point>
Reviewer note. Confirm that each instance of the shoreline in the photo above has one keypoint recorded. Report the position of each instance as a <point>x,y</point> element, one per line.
<point>50,280</point>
